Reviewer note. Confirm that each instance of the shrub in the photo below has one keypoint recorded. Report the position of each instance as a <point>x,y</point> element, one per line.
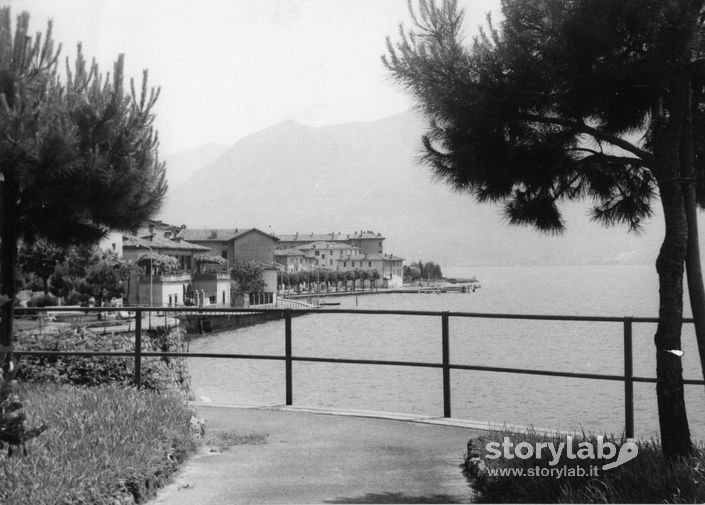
<point>649,478</point>
<point>103,445</point>
<point>42,301</point>
<point>158,374</point>
<point>75,298</point>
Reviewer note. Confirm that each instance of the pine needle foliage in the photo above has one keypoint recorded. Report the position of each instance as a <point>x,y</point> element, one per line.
<point>556,103</point>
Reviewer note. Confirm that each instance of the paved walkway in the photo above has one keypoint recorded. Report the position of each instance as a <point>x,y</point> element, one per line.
<point>315,457</point>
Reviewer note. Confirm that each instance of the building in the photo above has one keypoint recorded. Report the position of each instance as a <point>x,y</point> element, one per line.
<point>160,287</point>
<point>241,245</point>
<point>234,244</point>
<point>368,241</point>
<point>112,242</point>
<point>293,260</point>
<point>211,283</point>
<point>363,250</point>
<point>389,267</point>
<point>159,228</point>
<point>184,252</point>
<point>327,254</point>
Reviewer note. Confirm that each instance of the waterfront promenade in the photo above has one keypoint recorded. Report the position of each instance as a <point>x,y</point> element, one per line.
<point>312,456</point>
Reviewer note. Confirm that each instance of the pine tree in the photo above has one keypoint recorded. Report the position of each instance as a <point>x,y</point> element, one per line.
<point>78,156</point>
<point>584,99</point>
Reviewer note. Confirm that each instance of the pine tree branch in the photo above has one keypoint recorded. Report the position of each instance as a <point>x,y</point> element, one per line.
<point>608,158</point>
<point>645,156</point>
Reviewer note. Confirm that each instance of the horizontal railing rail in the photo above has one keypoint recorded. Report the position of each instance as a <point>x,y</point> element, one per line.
<point>446,365</point>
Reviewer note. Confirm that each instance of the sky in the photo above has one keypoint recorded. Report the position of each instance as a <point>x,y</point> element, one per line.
<point>228,68</point>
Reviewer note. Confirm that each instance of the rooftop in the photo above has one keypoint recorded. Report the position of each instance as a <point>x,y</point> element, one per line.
<point>157,242</point>
<point>217,234</point>
<point>325,245</point>
<point>372,256</point>
<point>330,237</point>
<point>289,252</point>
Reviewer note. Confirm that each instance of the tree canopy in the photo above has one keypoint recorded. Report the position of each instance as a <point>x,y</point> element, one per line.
<point>555,104</point>
<point>561,100</point>
<point>248,277</point>
<point>41,258</point>
<point>78,152</point>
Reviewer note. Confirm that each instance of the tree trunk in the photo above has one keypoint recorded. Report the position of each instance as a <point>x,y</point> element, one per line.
<point>673,421</point>
<point>8,263</point>
<point>670,265</point>
<point>696,290</point>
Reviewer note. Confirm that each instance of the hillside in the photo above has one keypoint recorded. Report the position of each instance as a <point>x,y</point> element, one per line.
<point>182,164</point>
<point>294,178</point>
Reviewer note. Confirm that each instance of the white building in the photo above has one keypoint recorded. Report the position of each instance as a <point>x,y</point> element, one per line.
<point>327,254</point>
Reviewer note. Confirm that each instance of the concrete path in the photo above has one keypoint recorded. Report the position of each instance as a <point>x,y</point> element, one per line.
<point>315,457</point>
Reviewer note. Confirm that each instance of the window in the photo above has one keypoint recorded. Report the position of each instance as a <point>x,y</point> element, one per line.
<point>369,263</point>
<point>223,297</point>
<point>345,263</point>
<point>213,299</point>
<point>323,256</point>
<point>318,252</point>
<point>224,254</point>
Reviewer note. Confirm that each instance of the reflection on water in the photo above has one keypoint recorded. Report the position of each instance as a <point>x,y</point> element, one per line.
<point>551,402</point>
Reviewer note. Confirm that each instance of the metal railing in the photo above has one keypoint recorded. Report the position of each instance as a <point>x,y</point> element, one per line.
<point>446,365</point>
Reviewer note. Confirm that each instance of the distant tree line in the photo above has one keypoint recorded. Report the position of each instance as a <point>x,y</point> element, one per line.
<point>422,271</point>
<point>328,280</point>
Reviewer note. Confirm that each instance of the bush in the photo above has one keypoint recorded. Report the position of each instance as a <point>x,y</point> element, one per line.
<point>649,478</point>
<point>105,445</point>
<point>42,301</point>
<point>75,298</point>
<point>158,374</point>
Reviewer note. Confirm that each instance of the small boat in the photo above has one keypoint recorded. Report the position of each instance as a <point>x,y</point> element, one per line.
<point>329,303</point>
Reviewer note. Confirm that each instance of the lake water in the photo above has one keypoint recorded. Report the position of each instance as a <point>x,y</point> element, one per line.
<point>547,402</point>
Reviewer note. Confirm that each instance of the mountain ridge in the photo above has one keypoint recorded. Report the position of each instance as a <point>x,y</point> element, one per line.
<point>181,164</point>
<point>290,178</point>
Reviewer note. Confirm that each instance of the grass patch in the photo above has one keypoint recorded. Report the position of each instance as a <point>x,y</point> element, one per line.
<point>103,443</point>
<point>648,478</point>
<point>223,440</point>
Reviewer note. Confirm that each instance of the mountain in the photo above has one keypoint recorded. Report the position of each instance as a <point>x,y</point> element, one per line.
<point>180,165</point>
<point>365,176</point>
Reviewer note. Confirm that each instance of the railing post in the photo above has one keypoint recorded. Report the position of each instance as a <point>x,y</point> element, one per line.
<point>287,354</point>
<point>446,364</point>
<point>628,380</point>
<point>138,348</point>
